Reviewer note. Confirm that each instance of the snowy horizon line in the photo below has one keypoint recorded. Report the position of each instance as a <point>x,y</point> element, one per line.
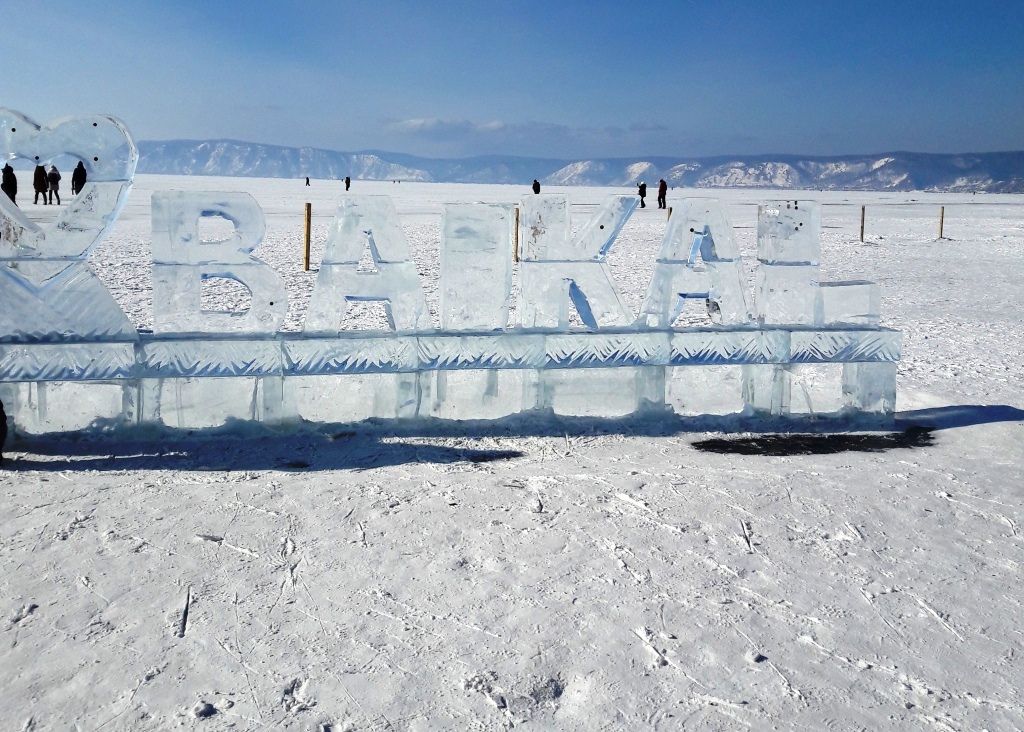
<point>570,159</point>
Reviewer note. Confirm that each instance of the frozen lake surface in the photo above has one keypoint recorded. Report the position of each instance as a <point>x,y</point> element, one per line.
<point>575,577</point>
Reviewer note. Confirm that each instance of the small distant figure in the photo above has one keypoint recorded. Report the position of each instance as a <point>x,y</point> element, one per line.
<point>40,185</point>
<point>53,178</point>
<point>3,431</point>
<point>78,176</point>
<point>536,186</point>
<point>307,180</point>
<point>348,182</point>
<point>662,193</point>
<point>10,183</point>
<point>642,190</point>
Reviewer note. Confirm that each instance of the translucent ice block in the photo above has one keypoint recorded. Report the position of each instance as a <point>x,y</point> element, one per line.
<point>848,303</point>
<point>476,286</point>
<point>47,289</point>
<point>672,285</point>
<point>698,260</point>
<point>788,232</point>
<point>476,266</point>
<point>78,228</point>
<point>101,142</point>
<point>363,222</point>
<point>543,227</point>
<point>710,390</point>
<point>548,291</point>
<point>766,390</point>
<point>557,272</point>
<point>786,294</point>
<point>870,388</point>
<point>43,300</point>
<point>698,226</point>
<point>182,260</point>
<point>727,299</point>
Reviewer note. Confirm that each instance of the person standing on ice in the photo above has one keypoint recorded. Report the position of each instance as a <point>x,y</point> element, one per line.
<point>3,431</point>
<point>307,180</point>
<point>662,193</point>
<point>10,183</point>
<point>348,182</point>
<point>642,190</point>
<point>78,177</point>
<point>39,184</point>
<point>536,186</point>
<point>53,178</point>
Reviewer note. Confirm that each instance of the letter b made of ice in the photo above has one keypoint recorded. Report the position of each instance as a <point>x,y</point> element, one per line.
<point>182,261</point>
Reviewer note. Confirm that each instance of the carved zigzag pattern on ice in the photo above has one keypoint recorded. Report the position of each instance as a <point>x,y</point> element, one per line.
<point>386,354</point>
<point>713,348</point>
<point>633,349</point>
<point>482,351</point>
<point>845,346</point>
<point>67,362</point>
<point>211,358</point>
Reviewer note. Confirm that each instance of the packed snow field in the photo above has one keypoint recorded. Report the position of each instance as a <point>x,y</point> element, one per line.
<point>581,575</point>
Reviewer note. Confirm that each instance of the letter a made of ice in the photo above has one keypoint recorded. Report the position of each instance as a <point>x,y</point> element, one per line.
<point>697,229</point>
<point>361,222</point>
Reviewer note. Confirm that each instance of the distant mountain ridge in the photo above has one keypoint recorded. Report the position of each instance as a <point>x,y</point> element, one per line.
<point>997,172</point>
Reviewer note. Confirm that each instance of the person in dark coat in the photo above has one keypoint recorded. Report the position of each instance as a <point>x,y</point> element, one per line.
<point>3,431</point>
<point>642,190</point>
<point>307,180</point>
<point>40,184</point>
<point>348,182</point>
<point>10,183</point>
<point>53,178</point>
<point>536,186</point>
<point>78,177</point>
<point>662,193</point>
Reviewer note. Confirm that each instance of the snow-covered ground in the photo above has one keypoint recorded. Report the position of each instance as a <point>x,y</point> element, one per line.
<point>587,576</point>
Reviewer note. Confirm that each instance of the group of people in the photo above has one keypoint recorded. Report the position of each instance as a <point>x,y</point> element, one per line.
<point>641,191</point>
<point>348,182</point>
<point>45,183</point>
<point>662,194</point>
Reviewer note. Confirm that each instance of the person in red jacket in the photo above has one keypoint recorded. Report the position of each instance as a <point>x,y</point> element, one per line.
<point>662,193</point>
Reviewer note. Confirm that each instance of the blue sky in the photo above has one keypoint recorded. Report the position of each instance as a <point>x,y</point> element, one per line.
<point>560,79</point>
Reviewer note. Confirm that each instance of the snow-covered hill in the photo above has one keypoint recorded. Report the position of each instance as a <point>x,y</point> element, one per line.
<point>1000,172</point>
<point>229,157</point>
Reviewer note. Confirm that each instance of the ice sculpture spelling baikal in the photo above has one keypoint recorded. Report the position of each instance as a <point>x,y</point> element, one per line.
<point>69,358</point>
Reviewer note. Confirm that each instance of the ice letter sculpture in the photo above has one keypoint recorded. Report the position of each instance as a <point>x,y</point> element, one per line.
<point>47,290</point>
<point>69,358</point>
<point>181,261</point>
<point>788,293</point>
<point>558,269</point>
<point>698,230</point>
<point>367,222</point>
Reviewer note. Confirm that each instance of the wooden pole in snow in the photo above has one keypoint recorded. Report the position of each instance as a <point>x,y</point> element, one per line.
<point>669,213</point>
<point>942,221</point>
<point>515,238</point>
<point>862,222</point>
<point>306,236</point>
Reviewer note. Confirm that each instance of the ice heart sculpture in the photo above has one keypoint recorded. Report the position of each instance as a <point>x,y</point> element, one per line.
<point>47,289</point>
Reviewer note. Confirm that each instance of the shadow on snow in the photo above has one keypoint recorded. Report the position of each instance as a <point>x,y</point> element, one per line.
<point>918,431</point>
<point>372,445</point>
